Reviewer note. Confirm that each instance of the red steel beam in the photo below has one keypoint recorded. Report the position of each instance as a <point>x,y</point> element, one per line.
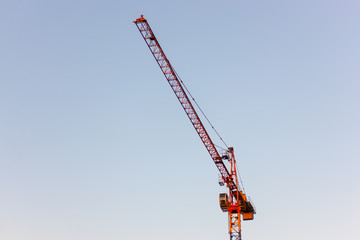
<point>176,86</point>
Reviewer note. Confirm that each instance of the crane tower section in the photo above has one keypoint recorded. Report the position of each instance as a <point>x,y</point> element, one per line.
<point>235,203</point>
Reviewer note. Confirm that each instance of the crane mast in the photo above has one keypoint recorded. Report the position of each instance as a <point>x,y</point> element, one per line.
<point>236,203</point>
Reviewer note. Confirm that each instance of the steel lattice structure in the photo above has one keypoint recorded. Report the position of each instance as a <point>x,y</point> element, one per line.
<point>238,203</point>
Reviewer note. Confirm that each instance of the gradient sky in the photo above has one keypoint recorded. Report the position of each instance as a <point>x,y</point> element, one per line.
<point>94,144</point>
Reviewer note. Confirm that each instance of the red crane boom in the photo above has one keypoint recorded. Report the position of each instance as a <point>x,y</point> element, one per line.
<point>236,203</point>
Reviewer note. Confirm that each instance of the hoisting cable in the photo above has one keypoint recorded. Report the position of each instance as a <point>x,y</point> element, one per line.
<point>226,150</point>
<point>187,90</point>
<point>243,188</point>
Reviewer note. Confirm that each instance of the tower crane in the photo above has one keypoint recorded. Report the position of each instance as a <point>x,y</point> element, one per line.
<point>235,203</point>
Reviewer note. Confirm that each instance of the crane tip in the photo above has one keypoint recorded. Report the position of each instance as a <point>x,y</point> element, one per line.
<point>140,19</point>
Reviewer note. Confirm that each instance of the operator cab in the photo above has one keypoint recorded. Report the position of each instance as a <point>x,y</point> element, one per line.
<point>224,202</point>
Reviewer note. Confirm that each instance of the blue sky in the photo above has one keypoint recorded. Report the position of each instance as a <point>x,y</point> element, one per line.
<point>94,145</point>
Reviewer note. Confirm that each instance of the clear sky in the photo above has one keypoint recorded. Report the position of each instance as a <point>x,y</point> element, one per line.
<point>94,144</point>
